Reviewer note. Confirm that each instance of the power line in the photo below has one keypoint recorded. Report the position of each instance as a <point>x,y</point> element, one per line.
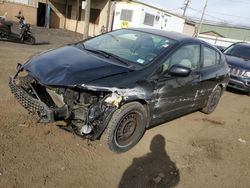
<point>174,9</point>
<point>241,1</point>
<point>229,15</point>
<point>198,11</point>
<point>220,14</point>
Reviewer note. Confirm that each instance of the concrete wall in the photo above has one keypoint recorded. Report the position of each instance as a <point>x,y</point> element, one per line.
<point>188,29</point>
<point>57,13</point>
<point>13,8</point>
<point>32,3</point>
<point>26,2</point>
<point>94,29</point>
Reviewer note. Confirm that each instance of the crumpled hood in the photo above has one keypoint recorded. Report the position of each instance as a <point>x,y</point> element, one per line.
<point>69,65</point>
<point>238,62</point>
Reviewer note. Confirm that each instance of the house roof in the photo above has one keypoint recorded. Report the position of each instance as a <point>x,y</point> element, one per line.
<point>214,32</point>
<point>228,32</point>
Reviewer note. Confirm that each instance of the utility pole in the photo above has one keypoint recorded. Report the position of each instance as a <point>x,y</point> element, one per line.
<point>66,13</point>
<point>201,20</point>
<point>186,3</point>
<point>77,13</point>
<point>86,20</point>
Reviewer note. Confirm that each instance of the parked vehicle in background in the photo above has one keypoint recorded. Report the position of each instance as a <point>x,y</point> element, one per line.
<point>24,36</point>
<point>3,17</point>
<point>238,58</point>
<point>118,84</point>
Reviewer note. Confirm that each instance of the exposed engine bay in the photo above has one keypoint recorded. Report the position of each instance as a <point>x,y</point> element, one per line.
<point>87,112</point>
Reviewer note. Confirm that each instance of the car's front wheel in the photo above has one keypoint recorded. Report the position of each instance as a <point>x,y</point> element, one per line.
<point>126,127</point>
<point>213,100</point>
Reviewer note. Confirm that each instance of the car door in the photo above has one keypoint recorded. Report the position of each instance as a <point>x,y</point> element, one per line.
<point>212,71</point>
<point>176,95</point>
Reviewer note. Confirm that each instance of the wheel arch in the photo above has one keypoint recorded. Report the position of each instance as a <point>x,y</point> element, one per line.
<point>145,104</point>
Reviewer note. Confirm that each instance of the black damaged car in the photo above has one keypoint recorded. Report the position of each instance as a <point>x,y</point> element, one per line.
<point>238,59</point>
<point>117,85</point>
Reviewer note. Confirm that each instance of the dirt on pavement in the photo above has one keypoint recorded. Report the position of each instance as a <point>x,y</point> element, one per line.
<point>196,150</point>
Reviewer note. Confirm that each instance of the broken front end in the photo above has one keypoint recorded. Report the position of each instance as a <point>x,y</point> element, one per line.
<point>87,111</point>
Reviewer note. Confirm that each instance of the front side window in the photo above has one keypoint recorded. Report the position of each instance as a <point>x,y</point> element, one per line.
<point>126,15</point>
<point>187,56</point>
<point>130,45</point>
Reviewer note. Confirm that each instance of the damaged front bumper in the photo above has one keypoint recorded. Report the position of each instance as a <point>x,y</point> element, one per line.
<point>34,104</point>
<point>87,112</point>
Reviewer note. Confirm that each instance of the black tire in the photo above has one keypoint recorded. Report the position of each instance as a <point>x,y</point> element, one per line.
<point>213,100</point>
<point>126,127</point>
<point>29,39</point>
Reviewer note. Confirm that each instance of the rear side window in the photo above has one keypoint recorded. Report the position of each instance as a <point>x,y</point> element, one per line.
<point>211,57</point>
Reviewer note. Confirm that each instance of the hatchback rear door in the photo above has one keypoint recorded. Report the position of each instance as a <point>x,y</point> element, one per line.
<point>213,71</point>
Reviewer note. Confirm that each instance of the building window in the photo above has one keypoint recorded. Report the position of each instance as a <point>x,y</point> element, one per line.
<point>94,15</point>
<point>149,19</point>
<point>126,15</point>
<point>80,14</point>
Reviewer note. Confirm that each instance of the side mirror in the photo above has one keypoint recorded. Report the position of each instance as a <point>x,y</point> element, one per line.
<point>179,71</point>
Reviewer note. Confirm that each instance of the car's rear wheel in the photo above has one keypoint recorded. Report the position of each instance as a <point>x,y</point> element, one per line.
<point>126,127</point>
<point>213,100</point>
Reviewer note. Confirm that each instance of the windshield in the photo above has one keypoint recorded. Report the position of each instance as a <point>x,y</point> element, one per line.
<point>129,45</point>
<point>238,51</point>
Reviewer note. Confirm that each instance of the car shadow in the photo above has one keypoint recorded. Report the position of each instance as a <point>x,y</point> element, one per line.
<point>155,169</point>
<point>42,43</point>
<point>20,42</point>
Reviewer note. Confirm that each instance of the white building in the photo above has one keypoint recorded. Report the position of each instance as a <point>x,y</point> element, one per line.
<point>138,14</point>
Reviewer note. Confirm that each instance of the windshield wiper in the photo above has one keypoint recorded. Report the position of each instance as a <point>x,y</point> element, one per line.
<point>107,55</point>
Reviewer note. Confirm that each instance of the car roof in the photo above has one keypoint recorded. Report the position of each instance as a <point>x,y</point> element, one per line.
<point>170,34</point>
<point>242,44</point>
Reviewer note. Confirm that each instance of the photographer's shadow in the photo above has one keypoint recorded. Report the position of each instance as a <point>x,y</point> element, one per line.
<point>154,169</point>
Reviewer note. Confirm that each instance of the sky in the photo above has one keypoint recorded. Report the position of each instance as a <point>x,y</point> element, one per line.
<point>233,12</point>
